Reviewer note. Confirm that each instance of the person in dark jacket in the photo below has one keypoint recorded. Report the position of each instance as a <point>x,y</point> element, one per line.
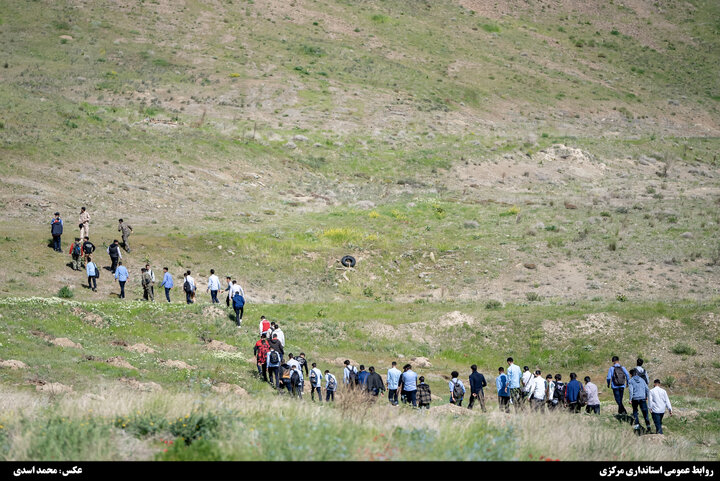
<point>277,345</point>
<point>374,383</point>
<point>477,383</point>
<point>88,248</point>
<point>56,230</point>
<point>424,395</point>
<point>572,393</point>
<point>113,251</point>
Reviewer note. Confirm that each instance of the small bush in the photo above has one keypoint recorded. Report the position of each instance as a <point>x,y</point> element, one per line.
<point>493,304</point>
<point>65,292</point>
<point>669,382</point>
<point>490,27</point>
<point>196,425</point>
<point>684,350</point>
<point>621,297</point>
<point>532,296</point>
<point>555,242</point>
<point>612,245</point>
<point>142,425</point>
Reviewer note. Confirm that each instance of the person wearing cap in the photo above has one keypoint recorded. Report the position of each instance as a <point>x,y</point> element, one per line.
<point>84,223</point>
<point>56,230</point>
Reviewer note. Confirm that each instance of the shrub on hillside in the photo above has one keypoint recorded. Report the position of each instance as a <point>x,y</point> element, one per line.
<point>493,304</point>
<point>684,349</point>
<point>65,292</point>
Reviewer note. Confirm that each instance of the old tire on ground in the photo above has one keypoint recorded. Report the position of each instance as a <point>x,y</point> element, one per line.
<point>348,261</point>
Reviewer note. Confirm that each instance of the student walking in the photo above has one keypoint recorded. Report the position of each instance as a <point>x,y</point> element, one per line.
<point>424,395</point>
<point>550,391</point>
<point>273,366</point>
<point>503,390</point>
<point>87,248</point>
<point>113,251</point>
<point>189,288</point>
<point>659,404</point>
<point>277,345</point>
<point>572,394</point>
<point>56,230</point>
<point>237,296</point>
<point>617,379</point>
<point>261,349</point>
<point>559,388</point>
<point>84,223</point>
<point>213,286</point>
<point>477,383</point>
<point>264,326</point>
<point>147,283</point>
<point>457,389</point>
<point>593,403</point>
<point>362,376</point>
<point>641,371</point>
<point>409,385</point>
<point>330,386</point>
<point>152,278</point>
<point>121,276</point>
<point>350,375</point>
<point>76,254</point>
<point>315,383</point>
<point>92,274</point>
<point>639,394</point>
<point>167,283</point>
<point>514,379</point>
<point>537,392</point>
<point>392,381</point>
<point>374,383</point>
<point>527,379</point>
<point>125,230</point>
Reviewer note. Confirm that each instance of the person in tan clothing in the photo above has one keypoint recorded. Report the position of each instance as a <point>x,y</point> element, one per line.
<point>125,229</point>
<point>84,221</point>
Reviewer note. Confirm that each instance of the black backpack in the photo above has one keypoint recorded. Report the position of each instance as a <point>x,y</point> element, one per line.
<point>352,376</point>
<point>76,249</point>
<point>187,287</point>
<point>313,378</point>
<point>274,357</point>
<point>294,379</point>
<point>618,376</point>
<point>582,397</point>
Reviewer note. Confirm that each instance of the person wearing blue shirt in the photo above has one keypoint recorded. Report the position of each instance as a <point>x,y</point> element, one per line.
<point>56,230</point>
<point>393,379</point>
<point>618,387</point>
<point>408,380</point>
<point>503,390</point>
<point>639,394</point>
<point>92,269</point>
<point>167,283</point>
<point>514,375</point>
<point>362,375</point>
<point>121,275</point>
<point>572,393</point>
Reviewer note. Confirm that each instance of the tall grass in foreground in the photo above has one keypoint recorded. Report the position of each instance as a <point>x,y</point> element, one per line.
<point>121,424</point>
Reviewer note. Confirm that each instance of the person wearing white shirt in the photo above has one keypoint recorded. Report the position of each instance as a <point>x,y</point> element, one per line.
<point>316,385</point>
<point>593,402</point>
<point>549,390</point>
<point>330,386</point>
<point>527,379</point>
<point>280,335</point>
<point>236,288</point>
<point>659,403</point>
<point>393,380</point>
<point>213,286</point>
<point>193,287</point>
<point>537,391</point>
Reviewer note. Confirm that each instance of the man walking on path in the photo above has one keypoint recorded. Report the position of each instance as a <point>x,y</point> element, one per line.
<point>273,366</point>
<point>477,383</point>
<point>84,223</point>
<point>315,382</point>
<point>457,389</point>
<point>514,379</point>
<point>93,273</point>
<point>374,383</point>
<point>190,291</point>
<point>121,275</point>
<point>642,372</point>
<point>659,403</point>
<point>503,390</point>
<point>393,378</point>
<point>152,277</point>
<point>262,347</point>
<point>147,284</point>
<point>572,393</point>
<point>76,254</point>
<point>424,395</point>
<point>409,384</point>
<point>264,326</point>
<point>639,394</point>
<point>167,283</point>
<point>125,230</point>
<point>113,251</point>
<point>56,230</point>
<point>593,403</point>
<point>237,296</point>
<point>617,379</point>
<point>350,375</point>
<point>228,289</point>
<point>537,392</point>
<point>88,248</point>
<point>213,286</point>
<point>275,344</point>
<point>330,386</point>
<point>527,379</point>
<point>279,334</point>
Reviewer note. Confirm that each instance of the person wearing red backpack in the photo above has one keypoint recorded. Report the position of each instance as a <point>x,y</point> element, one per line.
<point>262,347</point>
<point>264,326</point>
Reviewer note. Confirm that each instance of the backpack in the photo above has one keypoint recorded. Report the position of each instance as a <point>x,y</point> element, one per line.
<point>582,397</point>
<point>76,249</point>
<point>352,376</point>
<point>618,376</point>
<point>274,357</point>
<point>313,378</point>
<point>331,384</point>
<point>285,374</point>
<point>97,271</point>
<point>458,391</point>
<point>187,287</point>
<point>559,395</point>
<point>294,378</point>
<point>643,375</point>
